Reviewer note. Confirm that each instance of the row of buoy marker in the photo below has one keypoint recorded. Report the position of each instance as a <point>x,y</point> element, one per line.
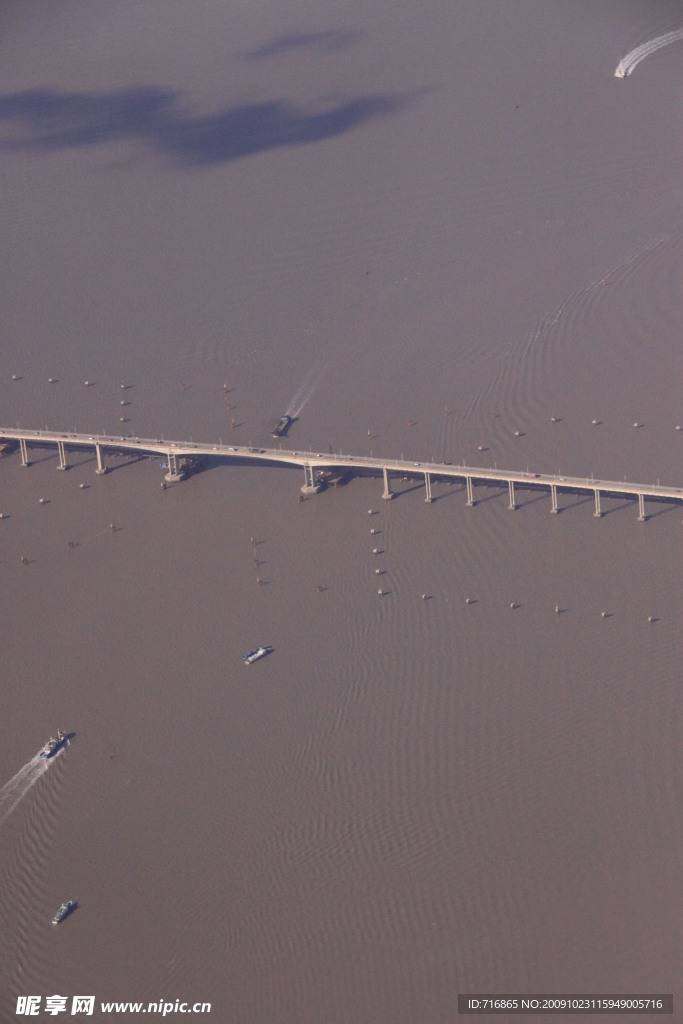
<point>558,609</point>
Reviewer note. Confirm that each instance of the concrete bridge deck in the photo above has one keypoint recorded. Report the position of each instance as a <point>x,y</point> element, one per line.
<point>179,453</point>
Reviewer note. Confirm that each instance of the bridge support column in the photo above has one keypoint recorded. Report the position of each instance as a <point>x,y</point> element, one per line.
<point>310,486</point>
<point>470,492</point>
<point>428,488</point>
<point>597,514</point>
<point>24,452</point>
<point>388,493</point>
<point>101,468</point>
<point>641,508</point>
<point>511,489</point>
<point>62,455</point>
<point>553,499</point>
<point>175,473</point>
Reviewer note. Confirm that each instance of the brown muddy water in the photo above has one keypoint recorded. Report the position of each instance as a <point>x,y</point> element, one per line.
<point>425,229</point>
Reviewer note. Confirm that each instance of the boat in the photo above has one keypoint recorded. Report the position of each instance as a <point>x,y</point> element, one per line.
<point>283,425</point>
<point>334,477</point>
<point>63,912</point>
<point>258,652</point>
<point>54,744</point>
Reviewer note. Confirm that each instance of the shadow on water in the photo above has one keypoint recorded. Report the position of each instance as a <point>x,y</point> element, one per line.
<point>331,41</point>
<point>628,503</point>
<point>44,119</point>
<point>122,463</point>
<point>582,500</point>
<point>497,492</point>
<point>668,506</point>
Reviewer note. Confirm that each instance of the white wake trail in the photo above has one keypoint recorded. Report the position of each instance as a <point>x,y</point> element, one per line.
<point>14,791</point>
<point>627,64</point>
<point>305,392</point>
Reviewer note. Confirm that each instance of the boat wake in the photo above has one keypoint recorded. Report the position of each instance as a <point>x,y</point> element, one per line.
<point>304,394</point>
<point>627,64</point>
<point>14,791</point>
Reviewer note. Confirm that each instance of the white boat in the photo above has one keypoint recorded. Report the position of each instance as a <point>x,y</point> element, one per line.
<point>258,652</point>
<point>63,912</point>
<point>54,744</point>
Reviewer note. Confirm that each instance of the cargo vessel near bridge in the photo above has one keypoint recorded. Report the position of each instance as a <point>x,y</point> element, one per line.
<point>282,427</point>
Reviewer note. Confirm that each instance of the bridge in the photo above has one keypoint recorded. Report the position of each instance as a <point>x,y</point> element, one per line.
<point>181,455</point>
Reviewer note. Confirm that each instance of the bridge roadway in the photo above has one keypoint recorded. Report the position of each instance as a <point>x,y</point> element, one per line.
<point>178,453</point>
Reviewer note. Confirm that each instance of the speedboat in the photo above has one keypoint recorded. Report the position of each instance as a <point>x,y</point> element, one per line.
<point>54,744</point>
<point>258,652</point>
<point>63,912</point>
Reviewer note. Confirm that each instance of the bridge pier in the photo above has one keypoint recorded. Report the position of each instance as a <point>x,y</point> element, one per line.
<point>470,492</point>
<point>553,498</point>
<point>175,473</point>
<point>511,489</point>
<point>101,468</point>
<point>597,514</point>
<point>388,493</point>
<point>310,486</point>
<point>641,508</point>
<point>62,455</point>
<point>24,452</point>
<point>428,488</point>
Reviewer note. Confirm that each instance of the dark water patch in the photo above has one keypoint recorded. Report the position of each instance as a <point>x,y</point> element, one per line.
<point>42,119</point>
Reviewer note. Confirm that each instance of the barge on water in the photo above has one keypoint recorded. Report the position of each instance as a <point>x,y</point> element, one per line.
<point>63,912</point>
<point>259,652</point>
<point>282,427</point>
